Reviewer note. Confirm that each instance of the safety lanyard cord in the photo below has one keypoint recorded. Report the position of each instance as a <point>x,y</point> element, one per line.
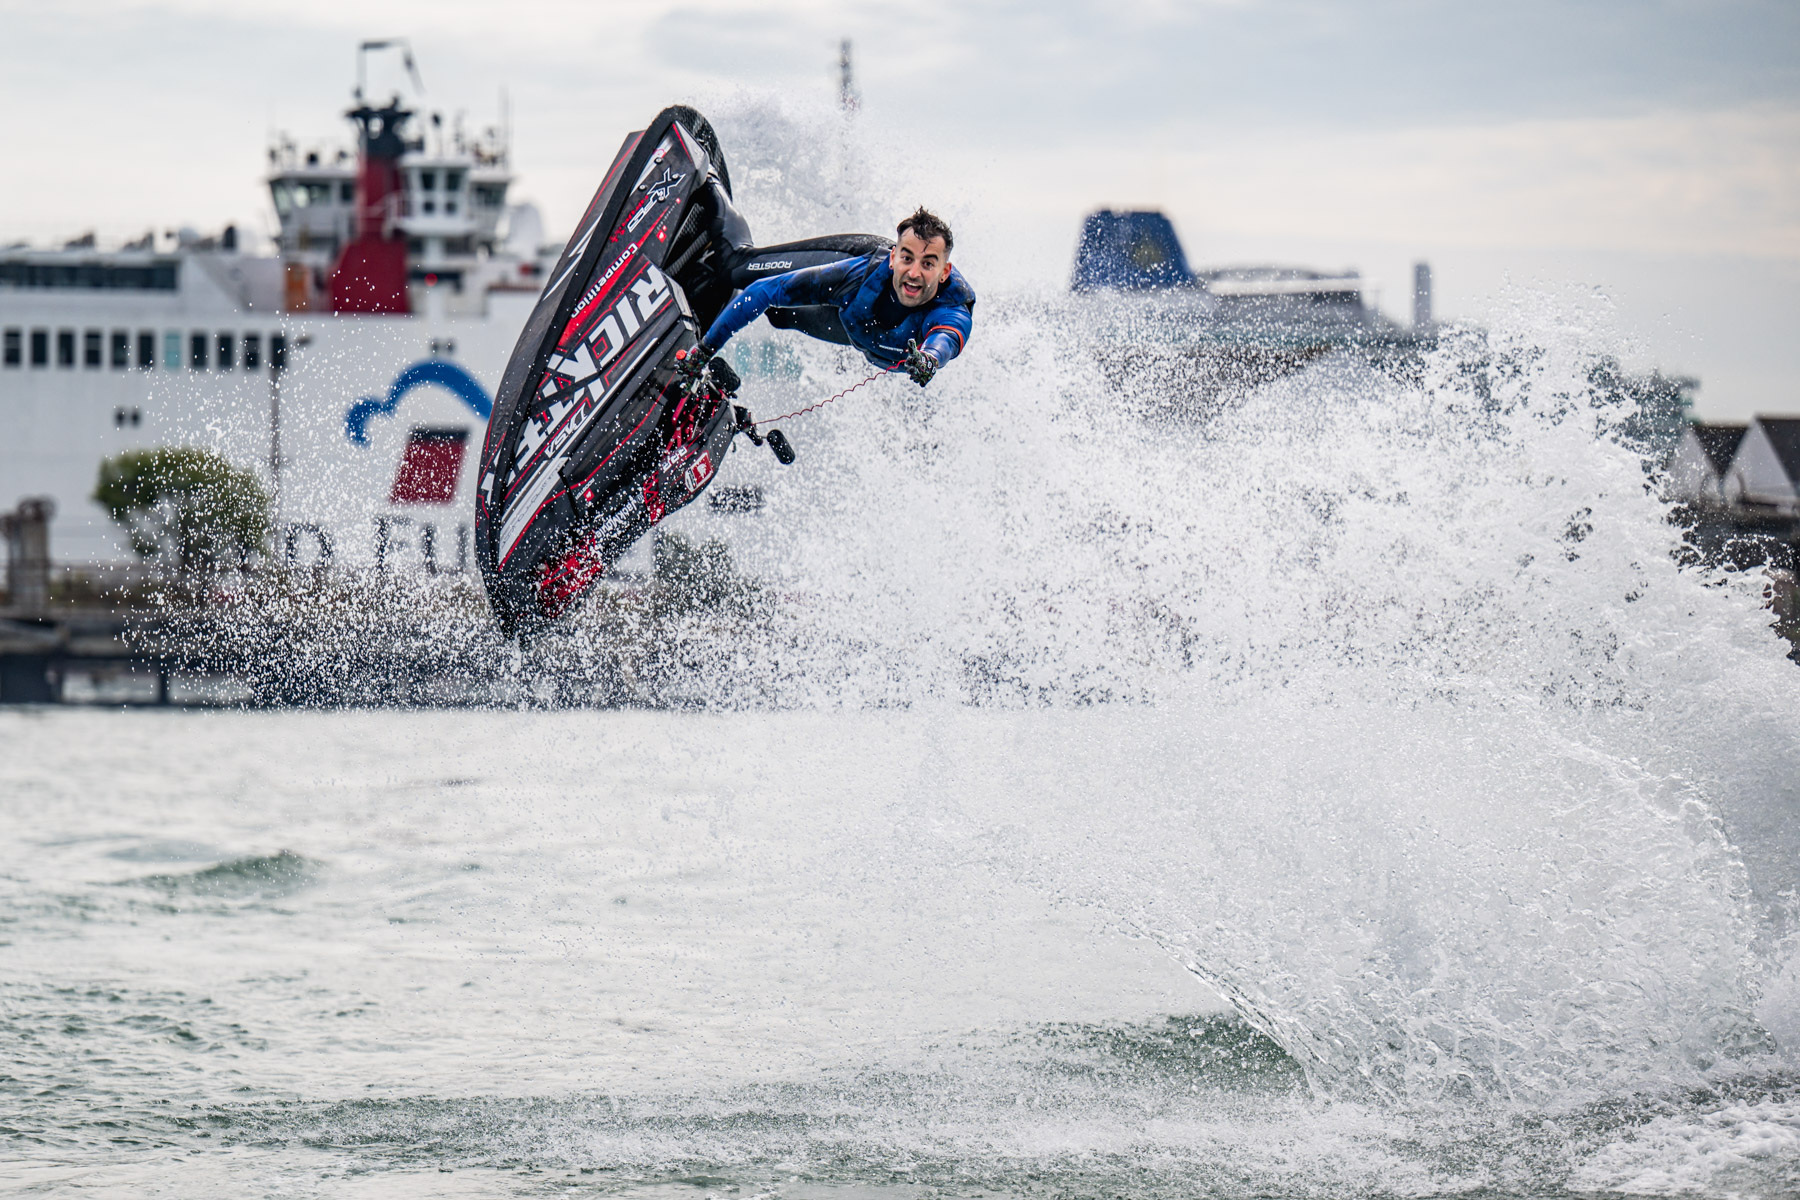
<point>821,404</point>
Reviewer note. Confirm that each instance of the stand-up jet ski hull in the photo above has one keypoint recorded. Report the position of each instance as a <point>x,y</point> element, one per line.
<point>593,438</point>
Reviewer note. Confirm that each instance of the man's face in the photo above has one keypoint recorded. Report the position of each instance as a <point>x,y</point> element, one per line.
<point>920,268</point>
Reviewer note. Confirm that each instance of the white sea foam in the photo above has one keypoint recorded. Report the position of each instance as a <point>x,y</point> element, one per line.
<point>1417,741</point>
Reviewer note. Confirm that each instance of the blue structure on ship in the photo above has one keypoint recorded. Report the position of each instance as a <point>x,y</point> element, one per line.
<point>1129,251</point>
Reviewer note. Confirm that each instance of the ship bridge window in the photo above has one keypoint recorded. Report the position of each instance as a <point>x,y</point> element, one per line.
<point>290,194</point>
<point>453,181</point>
<point>197,351</point>
<point>428,180</point>
<point>171,351</point>
<point>346,193</point>
<point>65,347</point>
<point>227,351</point>
<point>252,351</point>
<point>146,350</point>
<point>159,276</point>
<point>40,347</point>
<point>15,348</point>
<point>489,195</point>
<point>121,349</point>
<point>90,349</point>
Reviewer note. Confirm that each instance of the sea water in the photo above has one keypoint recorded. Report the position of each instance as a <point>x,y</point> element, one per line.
<point>1336,787</point>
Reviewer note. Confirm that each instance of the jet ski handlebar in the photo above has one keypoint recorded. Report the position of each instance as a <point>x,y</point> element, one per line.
<point>700,366</point>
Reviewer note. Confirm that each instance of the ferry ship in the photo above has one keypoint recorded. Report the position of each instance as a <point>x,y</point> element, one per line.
<point>1187,339</point>
<point>351,365</point>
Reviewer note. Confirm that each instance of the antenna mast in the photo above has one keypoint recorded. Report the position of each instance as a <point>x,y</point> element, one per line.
<point>847,96</point>
<point>406,57</point>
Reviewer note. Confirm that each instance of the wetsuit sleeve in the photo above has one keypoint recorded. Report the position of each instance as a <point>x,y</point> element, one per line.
<point>948,332</point>
<point>813,285</point>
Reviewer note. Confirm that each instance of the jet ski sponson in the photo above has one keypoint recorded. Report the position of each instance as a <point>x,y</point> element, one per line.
<point>594,437</point>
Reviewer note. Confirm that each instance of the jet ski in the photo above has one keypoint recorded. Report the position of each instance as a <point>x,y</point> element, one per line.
<point>596,434</point>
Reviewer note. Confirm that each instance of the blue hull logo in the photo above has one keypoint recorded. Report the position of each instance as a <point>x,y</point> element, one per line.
<point>442,372</point>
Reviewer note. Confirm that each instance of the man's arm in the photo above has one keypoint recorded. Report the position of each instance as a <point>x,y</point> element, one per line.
<point>948,332</point>
<point>812,285</point>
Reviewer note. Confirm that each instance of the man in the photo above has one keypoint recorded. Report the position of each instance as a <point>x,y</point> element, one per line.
<point>906,309</point>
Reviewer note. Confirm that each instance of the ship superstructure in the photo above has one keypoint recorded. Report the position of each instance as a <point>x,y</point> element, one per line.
<point>393,288</point>
<point>438,201</point>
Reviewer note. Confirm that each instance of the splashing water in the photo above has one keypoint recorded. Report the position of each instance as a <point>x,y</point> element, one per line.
<point>1372,696</point>
<point>1429,755</point>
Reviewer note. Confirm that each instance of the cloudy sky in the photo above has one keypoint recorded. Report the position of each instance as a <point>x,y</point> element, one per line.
<point>1639,156</point>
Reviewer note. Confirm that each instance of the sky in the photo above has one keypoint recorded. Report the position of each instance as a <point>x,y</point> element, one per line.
<point>1643,155</point>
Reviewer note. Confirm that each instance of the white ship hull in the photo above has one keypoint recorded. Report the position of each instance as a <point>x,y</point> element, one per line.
<point>60,418</point>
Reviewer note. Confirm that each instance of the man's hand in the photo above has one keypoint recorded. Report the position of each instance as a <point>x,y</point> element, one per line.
<point>691,363</point>
<point>920,364</point>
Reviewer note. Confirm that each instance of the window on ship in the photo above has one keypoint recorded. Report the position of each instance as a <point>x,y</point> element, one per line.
<point>252,351</point>
<point>15,348</point>
<point>40,347</point>
<point>171,351</point>
<point>197,351</point>
<point>65,348</point>
<point>121,349</point>
<point>226,352</point>
<point>146,350</point>
<point>90,349</point>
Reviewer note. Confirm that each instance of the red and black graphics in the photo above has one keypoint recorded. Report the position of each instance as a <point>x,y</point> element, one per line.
<point>592,438</point>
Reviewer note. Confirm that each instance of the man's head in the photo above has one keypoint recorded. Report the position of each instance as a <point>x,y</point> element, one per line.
<point>921,258</point>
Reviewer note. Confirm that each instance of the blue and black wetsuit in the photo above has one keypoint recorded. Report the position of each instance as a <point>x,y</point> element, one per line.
<point>862,292</point>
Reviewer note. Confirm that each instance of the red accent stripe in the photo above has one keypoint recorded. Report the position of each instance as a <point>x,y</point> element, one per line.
<point>613,283</point>
<point>589,478</point>
<point>612,172</point>
<point>522,472</point>
<point>950,329</point>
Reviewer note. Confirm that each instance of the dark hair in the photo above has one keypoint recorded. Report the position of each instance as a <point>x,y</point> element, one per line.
<point>927,225</point>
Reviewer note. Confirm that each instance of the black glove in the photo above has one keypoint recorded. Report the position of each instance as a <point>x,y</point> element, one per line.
<point>692,362</point>
<point>920,364</point>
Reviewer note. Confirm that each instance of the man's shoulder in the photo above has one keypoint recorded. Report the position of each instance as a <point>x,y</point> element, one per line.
<point>956,291</point>
<point>854,273</point>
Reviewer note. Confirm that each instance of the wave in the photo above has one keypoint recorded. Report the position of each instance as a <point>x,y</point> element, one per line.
<point>263,875</point>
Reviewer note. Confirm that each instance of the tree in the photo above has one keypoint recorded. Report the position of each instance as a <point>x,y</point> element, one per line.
<point>188,509</point>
